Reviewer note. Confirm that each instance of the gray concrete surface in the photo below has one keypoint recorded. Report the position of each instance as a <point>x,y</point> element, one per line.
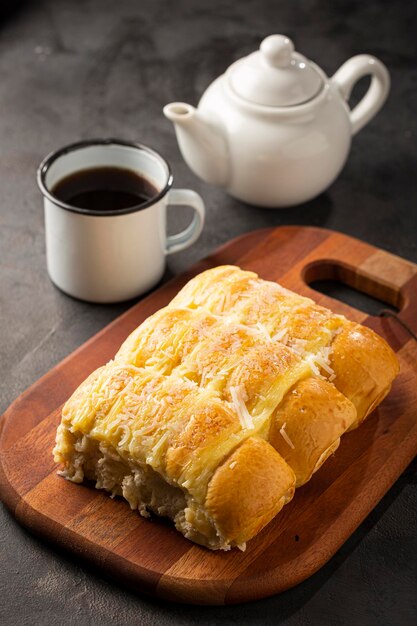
<point>76,69</point>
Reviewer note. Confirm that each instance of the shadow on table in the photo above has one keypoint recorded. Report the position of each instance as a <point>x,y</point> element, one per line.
<point>313,213</point>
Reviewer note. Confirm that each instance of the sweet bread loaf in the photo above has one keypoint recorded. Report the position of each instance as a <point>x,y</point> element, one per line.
<point>219,405</point>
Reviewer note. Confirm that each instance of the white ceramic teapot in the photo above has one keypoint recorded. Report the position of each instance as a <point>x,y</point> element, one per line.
<point>274,130</point>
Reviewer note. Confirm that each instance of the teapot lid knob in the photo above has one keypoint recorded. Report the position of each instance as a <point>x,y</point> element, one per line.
<point>275,75</point>
<point>277,50</point>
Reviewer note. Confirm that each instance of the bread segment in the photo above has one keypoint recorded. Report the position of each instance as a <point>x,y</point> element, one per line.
<point>307,425</point>
<point>364,366</point>
<point>165,339</point>
<point>248,489</point>
<point>219,405</point>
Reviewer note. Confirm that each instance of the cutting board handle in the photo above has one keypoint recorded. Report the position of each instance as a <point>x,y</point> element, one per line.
<point>381,274</point>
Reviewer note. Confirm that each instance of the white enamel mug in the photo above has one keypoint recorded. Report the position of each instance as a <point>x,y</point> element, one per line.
<point>113,255</point>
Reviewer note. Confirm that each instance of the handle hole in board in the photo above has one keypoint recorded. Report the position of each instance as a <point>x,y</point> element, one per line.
<point>349,285</point>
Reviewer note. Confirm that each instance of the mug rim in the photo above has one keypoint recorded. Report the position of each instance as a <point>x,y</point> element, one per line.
<point>56,154</point>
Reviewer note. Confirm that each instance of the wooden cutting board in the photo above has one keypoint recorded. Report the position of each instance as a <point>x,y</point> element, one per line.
<point>150,556</point>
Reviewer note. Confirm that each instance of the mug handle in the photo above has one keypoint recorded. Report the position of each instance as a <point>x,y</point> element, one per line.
<point>189,235</point>
<point>346,77</point>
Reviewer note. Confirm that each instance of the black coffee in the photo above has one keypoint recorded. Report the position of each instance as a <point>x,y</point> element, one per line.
<point>104,189</point>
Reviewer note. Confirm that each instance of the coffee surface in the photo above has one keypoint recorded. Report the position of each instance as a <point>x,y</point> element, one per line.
<point>102,189</point>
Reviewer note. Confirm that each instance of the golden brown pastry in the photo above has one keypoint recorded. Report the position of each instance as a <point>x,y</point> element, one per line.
<point>219,405</point>
<point>307,425</point>
<point>358,361</point>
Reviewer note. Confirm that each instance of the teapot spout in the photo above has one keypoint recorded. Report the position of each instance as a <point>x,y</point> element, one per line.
<point>201,142</point>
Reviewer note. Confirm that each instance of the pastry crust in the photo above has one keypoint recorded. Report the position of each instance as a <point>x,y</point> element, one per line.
<point>248,489</point>
<point>364,367</point>
<point>307,425</point>
<point>218,405</point>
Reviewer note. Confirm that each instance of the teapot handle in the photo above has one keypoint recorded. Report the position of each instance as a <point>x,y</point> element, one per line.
<point>346,77</point>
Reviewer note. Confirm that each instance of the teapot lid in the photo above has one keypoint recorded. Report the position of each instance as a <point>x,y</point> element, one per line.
<point>275,75</point>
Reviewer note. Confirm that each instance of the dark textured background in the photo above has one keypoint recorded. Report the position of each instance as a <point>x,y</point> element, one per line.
<point>72,69</point>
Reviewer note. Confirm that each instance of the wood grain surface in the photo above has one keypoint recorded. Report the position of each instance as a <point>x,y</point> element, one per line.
<point>150,556</point>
